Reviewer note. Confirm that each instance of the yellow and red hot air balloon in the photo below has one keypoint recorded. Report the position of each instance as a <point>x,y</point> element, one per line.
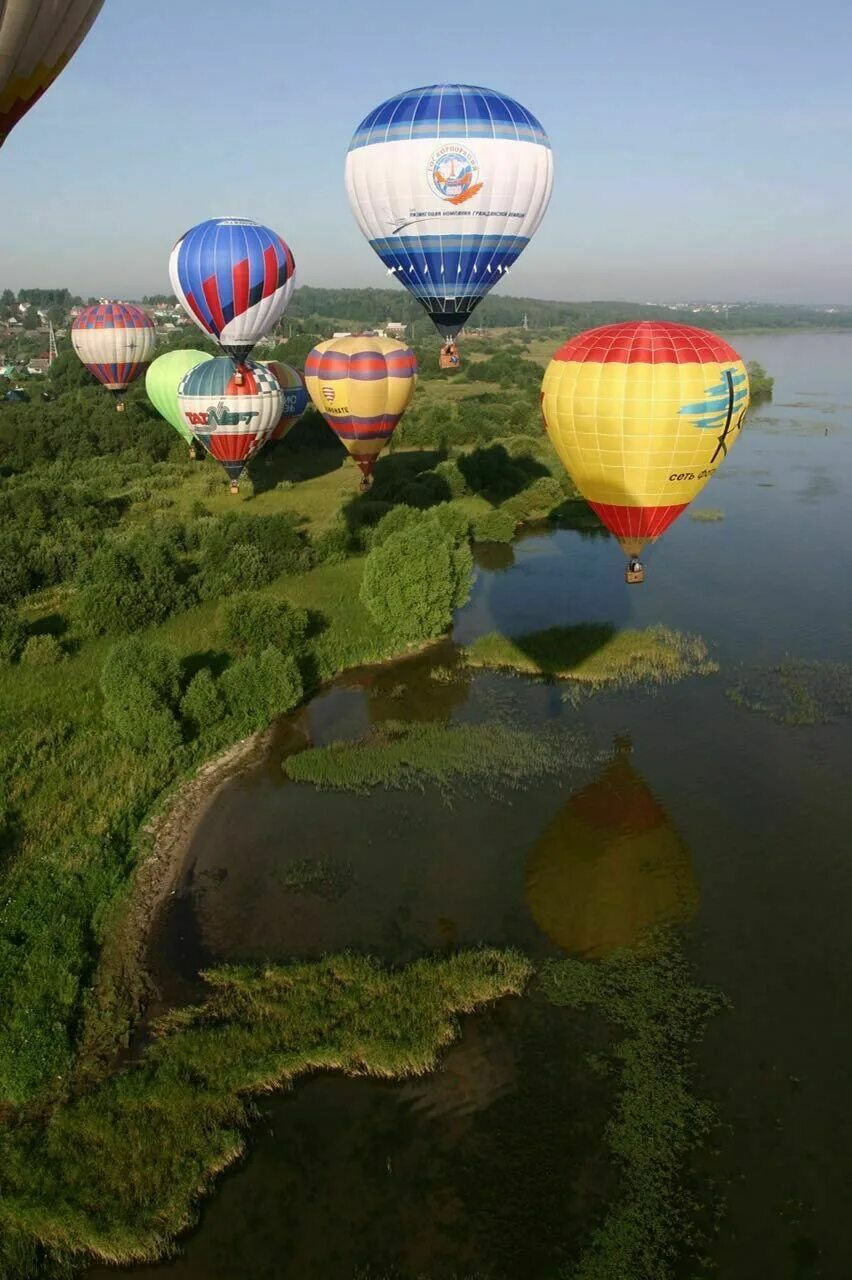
<point>37,40</point>
<point>362,387</point>
<point>641,415</point>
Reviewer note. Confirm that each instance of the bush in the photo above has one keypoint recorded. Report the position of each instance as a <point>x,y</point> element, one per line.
<point>257,689</point>
<point>454,522</point>
<point>123,590</point>
<point>42,651</point>
<point>240,552</point>
<point>14,577</point>
<point>203,705</point>
<point>251,625</point>
<point>140,682</point>
<point>396,519</point>
<point>542,497</point>
<point>13,634</point>
<point>414,578</point>
<point>332,545</point>
<point>495,526</point>
<point>452,477</point>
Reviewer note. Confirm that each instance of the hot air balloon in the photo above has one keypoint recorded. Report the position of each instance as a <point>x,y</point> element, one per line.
<point>234,278</point>
<point>610,866</point>
<point>114,341</point>
<point>232,419</point>
<point>362,387</point>
<point>295,397</point>
<point>37,40</point>
<point>642,414</point>
<point>162,380</point>
<point>449,183</point>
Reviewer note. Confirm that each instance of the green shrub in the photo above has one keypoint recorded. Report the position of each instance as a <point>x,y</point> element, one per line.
<point>257,689</point>
<point>251,624</point>
<point>13,634</point>
<point>242,552</point>
<point>14,578</point>
<point>42,651</point>
<point>452,477</point>
<point>332,545</point>
<point>414,578</point>
<point>494,526</point>
<point>124,589</point>
<point>397,518</point>
<point>140,682</point>
<point>454,522</point>
<point>203,705</point>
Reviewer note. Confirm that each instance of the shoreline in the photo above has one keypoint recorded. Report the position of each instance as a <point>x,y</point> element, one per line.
<point>122,986</point>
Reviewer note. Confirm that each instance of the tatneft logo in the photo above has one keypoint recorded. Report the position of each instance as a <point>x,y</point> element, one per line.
<point>453,171</point>
<point>220,416</point>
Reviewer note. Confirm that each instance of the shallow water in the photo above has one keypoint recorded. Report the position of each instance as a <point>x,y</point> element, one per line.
<point>683,806</point>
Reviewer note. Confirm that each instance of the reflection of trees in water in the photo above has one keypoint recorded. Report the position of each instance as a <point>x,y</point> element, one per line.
<point>429,687</point>
<point>609,866</point>
<point>494,557</point>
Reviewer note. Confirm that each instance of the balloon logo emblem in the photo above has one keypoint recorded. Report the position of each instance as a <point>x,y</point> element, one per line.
<point>723,410</point>
<point>453,172</point>
<point>328,394</point>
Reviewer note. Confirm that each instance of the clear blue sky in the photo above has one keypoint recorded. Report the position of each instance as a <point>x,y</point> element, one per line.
<point>701,150</point>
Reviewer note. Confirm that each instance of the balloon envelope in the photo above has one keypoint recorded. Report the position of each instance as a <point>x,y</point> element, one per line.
<point>641,415</point>
<point>37,40</point>
<point>295,397</point>
<point>114,341</point>
<point>162,380</point>
<point>448,183</point>
<point>234,278</point>
<point>362,387</point>
<point>232,420</point>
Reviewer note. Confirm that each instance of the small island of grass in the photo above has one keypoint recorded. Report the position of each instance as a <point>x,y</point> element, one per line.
<point>410,755</point>
<point>596,655</point>
<point>707,515</point>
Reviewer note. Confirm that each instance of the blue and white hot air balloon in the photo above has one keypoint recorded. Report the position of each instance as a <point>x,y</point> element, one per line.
<point>234,278</point>
<point>449,183</point>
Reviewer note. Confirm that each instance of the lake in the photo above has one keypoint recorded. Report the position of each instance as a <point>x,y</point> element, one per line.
<point>701,809</point>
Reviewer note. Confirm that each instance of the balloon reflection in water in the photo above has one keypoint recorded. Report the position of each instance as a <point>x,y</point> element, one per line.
<point>610,866</point>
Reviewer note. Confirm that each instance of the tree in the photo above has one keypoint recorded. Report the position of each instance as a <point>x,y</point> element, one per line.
<point>414,579</point>
<point>30,320</point>
<point>121,591</point>
<point>259,688</point>
<point>13,634</point>
<point>251,624</point>
<point>140,682</point>
<point>203,704</point>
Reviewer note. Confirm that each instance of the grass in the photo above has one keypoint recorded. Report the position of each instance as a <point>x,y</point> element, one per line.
<point>796,692</point>
<point>658,1121</point>
<point>117,1173</point>
<point>595,655</point>
<point>707,515</point>
<point>410,755</point>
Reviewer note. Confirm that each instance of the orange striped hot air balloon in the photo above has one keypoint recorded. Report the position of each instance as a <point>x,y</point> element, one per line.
<point>362,387</point>
<point>641,415</point>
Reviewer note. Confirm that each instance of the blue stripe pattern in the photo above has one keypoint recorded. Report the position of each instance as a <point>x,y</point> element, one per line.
<point>710,414</point>
<point>449,274</point>
<point>448,111</point>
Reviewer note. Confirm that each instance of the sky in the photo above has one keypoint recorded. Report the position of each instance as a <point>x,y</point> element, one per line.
<point>702,151</point>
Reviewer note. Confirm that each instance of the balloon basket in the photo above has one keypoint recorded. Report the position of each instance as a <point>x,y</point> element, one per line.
<point>634,576</point>
<point>235,486</point>
<point>193,453</point>
<point>119,408</point>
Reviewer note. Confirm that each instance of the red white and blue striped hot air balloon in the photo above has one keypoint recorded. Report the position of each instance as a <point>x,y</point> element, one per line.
<point>231,418</point>
<point>115,341</point>
<point>295,397</point>
<point>234,278</point>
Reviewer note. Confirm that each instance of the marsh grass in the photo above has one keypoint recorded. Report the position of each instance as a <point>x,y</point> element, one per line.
<point>596,656</point>
<point>117,1173</point>
<point>649,995</point>
<point>796,692</point>
<point>327,878</point>
<point>707,515</point>
<point>410,755</point>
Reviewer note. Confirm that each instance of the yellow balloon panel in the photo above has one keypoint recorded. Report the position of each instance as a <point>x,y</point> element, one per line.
<point>361,386</point>
<point>641,418</point>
